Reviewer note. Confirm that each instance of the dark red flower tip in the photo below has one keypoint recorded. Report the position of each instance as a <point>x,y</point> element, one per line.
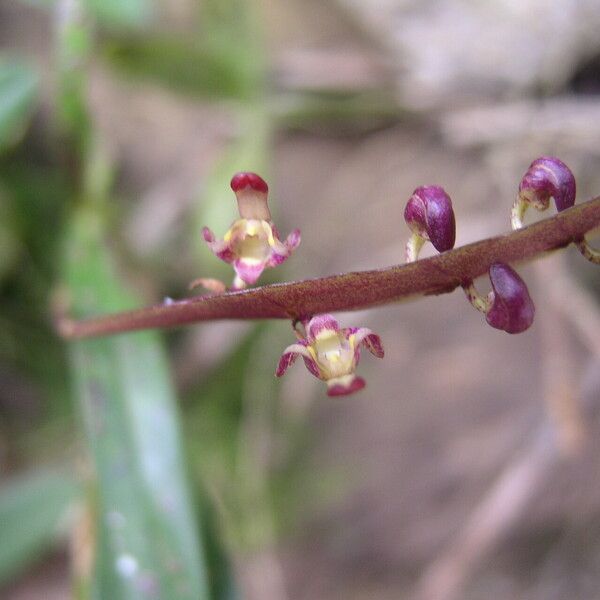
<point>547,177</point>
<point>512,308</point>
<point>244,179</point>
<point>429,213</point>
<point>340,389</point>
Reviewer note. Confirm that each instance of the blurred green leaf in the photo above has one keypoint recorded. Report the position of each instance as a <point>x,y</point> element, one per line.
<point>230,418</point>
<point>31,508</point>
<point>121,13</point>
<point>18,91</point>
<point>188,66</point>
<point>147,527</point>
<point>10,245</point>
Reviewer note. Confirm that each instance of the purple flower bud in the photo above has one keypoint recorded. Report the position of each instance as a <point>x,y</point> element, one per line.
<point>429,214</point>
<point>512,309</point>
<point>547,177</point>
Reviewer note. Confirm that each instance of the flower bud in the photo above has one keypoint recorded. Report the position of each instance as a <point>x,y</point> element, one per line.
<point>546,177</point>
<point>512,308</point>
<point>430,216</point>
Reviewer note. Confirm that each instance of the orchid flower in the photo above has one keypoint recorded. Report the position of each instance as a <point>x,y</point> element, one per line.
<point>252,243</point>
<point>331,353</point>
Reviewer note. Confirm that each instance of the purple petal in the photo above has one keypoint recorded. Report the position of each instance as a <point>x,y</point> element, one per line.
<point>429,213</point>
<point>512,308</point>
<point>547,177</point>
<point>291,353</point>
<point>364,336</point>
<point>249,272</point>
<point>276,259</point>
<point>280,252</point>
<point>318,324</point>
<point>220,248</point>
<point>312,366</point>
<point>344,386</point>
<point>208,235</point>
<point>293,240</point>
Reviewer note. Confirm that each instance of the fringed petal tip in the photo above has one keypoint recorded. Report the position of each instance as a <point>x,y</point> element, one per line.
<point>208,235</point>
<point>346,385</point>
<point>293,240</point>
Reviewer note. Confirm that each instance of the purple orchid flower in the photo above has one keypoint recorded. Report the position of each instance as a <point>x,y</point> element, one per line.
<point>252,243</point>
<point>331,353</point>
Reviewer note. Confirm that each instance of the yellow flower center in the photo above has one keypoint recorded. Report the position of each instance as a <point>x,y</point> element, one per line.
<point>334,354</point>
<point>250,240</point>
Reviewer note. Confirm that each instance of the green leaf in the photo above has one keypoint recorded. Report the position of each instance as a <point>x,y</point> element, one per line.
<point>31,508</point>
<point>18,91</point>
<point>147,530</point>
<point>189,66</point>
<point>121,13</point>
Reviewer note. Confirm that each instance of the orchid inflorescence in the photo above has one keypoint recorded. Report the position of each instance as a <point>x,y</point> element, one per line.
<point>332,353</point>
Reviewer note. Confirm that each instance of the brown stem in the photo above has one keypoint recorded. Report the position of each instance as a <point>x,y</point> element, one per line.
<point>353,291</point>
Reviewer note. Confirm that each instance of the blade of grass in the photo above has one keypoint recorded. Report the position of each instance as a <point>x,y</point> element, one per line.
<point>31,508</point>
<point>18,92</point>
<point>146,523</point>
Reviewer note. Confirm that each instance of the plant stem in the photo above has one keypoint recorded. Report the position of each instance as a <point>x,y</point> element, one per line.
<point>481,303</point>
<point>353,291</point>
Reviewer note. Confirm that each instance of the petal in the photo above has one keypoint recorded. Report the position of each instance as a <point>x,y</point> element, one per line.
<point>220,248</point>
<point>364,336</point>
<point>342,386</point>
<point>248,271</point>
<point>293,240</point>
<point>291,353</point>
<point>319,324</point>
<point>276,259</point>
<point>280,251</point>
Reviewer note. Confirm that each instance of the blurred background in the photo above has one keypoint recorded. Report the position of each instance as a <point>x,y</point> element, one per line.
<point>175,465</point>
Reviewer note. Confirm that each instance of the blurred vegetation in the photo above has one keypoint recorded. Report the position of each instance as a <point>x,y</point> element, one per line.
<point>146,525</point>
